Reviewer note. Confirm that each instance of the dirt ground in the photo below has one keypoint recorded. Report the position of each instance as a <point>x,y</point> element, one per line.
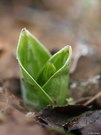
<point>55,26</point>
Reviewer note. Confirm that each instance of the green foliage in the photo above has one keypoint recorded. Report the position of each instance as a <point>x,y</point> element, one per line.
<point>44,78</point>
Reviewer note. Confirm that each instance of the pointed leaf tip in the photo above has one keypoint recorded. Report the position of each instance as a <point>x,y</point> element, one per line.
<point>36,61</point>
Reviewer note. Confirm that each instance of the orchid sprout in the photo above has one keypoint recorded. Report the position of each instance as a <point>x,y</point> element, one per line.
<point>44,77</point>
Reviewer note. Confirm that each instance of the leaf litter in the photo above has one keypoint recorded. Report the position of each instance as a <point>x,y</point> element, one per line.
<point>13,118</point>
<point>72,118</point>
<point>77,114</point>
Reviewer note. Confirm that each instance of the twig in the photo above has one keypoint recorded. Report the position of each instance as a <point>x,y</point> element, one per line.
<point>93,98</point>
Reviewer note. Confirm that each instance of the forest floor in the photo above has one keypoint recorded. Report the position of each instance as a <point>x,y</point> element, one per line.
<point>85,74</point>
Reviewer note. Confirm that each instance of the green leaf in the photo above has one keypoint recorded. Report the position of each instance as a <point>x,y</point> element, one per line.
<point>48,70</point>
<point>33,94</point>
<point>44,78</point>
<point>57,85</point>
<point>31,53</point>
<point>30,65</point>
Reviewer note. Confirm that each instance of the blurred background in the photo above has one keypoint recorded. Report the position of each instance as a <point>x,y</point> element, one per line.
<point>55,22</point>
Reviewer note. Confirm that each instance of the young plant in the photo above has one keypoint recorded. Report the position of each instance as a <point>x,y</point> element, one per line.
<point>44,78</point>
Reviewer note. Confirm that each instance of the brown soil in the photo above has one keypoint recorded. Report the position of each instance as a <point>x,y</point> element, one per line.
<point>15,119</point>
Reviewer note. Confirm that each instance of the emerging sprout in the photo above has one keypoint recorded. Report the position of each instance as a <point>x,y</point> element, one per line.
<point>44,78</point>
